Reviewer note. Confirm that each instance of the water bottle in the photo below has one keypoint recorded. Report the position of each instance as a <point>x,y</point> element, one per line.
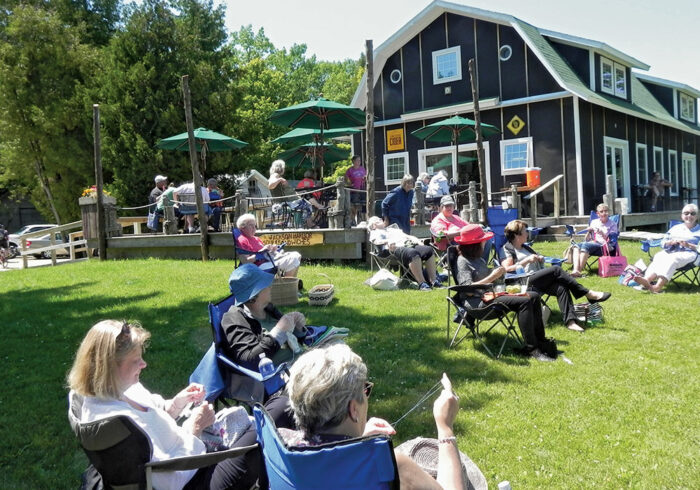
<point>519,269</point>
<point>265,366</point>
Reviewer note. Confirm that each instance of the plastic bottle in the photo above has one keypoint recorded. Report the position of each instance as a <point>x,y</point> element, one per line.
<point>265,366</point>
<point>519,269</point>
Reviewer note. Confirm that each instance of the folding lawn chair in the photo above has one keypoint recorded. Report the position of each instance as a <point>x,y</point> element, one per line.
<point>612,238</point>
<point>381,258</point>
<point>363,462</point>
<point>120,451</point>
<point>263,260</point>
<point>691,272</point>
<point>236,382</point>
<point>470,317</point>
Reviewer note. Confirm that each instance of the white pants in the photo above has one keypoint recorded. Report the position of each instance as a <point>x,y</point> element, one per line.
<point>665,263</point>
<point>287,261</point>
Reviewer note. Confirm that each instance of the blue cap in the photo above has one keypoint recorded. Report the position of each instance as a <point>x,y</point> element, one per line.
<point>247,281</point>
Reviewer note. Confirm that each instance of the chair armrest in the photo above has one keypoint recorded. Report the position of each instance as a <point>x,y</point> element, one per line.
<point>198,461</point>
<point>471,289</point>
<point>249,372</point>
<point>554,260</point>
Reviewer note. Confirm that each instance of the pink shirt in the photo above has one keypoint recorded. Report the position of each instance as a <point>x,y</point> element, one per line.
<point>356,177</point>
<point>446,225</point>
<point>252,244</point>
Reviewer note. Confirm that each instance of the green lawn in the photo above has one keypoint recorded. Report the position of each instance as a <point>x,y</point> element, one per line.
<point>620,416</point>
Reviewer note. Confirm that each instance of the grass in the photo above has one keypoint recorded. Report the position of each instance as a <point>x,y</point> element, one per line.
<point>624,414</point>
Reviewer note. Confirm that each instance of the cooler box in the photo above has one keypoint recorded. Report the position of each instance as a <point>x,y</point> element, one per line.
<point>533,176</point>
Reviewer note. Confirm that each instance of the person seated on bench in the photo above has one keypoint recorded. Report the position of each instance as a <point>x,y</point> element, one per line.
<point>407,249</point>
<point>329,392</point>
<point>598,236</point>
<point>680,248</point>
<point>550,280</point>
<point>286,262</point>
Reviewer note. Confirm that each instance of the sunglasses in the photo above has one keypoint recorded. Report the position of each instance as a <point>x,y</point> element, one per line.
<point>368,388</point>
<point>689,213</point>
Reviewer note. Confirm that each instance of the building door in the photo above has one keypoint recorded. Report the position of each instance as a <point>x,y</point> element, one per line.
<point>689,184</point>
<point>459,173</point>
<point>617,165</point>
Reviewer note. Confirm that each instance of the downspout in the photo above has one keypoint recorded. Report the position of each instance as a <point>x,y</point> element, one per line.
<point>579,165</point>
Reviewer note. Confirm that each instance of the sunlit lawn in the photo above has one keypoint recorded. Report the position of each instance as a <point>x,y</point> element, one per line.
<point>624,414</point>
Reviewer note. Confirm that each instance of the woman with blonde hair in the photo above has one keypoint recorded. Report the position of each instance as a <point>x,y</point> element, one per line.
<point>598,236</point>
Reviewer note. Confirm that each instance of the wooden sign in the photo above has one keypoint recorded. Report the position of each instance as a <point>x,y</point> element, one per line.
<point>304,239</point>
<point>394,140</point>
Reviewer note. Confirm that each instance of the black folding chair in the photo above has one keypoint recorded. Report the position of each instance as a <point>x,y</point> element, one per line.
<point>471,318</point>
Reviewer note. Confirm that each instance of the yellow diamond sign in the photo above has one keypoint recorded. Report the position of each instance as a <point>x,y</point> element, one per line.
<point>516,125</point>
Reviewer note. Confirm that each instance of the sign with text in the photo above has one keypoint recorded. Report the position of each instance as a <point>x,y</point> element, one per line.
<point>394,140</point>
<point>293,239</point>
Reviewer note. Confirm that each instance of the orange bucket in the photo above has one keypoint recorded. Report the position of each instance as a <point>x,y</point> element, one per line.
<point>533,177</point>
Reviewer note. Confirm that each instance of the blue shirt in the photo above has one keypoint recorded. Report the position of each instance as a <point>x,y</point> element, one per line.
<point>397,207</point>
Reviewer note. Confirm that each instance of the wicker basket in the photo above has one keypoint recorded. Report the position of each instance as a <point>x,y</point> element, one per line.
<point>321,294</point>
<point>284,291</point>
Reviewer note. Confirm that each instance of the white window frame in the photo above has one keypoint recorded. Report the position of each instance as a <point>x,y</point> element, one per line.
<point>462,147</point>
<point>603,88</point>
<point>620,92</point>
<point>689,169</point>
<point>457,51</point>
<point>388,156</point>
<point>529,151</point>
<point>640,181</point>
<point>673,172</point>
<point>658,166</point>
<point>688,104</point>
<point>623,145</point>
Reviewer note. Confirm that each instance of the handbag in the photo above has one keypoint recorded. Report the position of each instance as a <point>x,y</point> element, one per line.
<point>611,265</point>
<point>152,223</point>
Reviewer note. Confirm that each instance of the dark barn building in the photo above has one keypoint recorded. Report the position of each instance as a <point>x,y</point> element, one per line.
<point>568,105</point>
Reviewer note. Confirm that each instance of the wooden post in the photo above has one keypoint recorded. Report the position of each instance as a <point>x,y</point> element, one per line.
<point>169,220</point>
<point>369,127</point>
<point>473,206</point>
<point>418,211</point>
<point>514,197</point>
<point>533,210</point>
<point>101,227</point>
<point>557,198</point>
<point>479,140</point>
<point>196,177</point>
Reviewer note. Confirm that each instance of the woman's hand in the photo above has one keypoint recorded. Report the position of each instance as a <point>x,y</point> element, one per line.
<point>298,319</point>
<point>194,393</point>
<point>202,417</point>
<point>286,323</point>
<point>445,408</point>
<point>378,427</point>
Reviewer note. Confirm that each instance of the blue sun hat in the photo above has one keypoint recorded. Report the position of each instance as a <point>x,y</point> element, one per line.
<point>247,281</point>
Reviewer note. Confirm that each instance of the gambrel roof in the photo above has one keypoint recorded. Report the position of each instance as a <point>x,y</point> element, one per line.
<point>643,104</point>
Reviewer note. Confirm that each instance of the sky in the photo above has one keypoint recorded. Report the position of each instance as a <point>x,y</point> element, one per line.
<point>662,34</point>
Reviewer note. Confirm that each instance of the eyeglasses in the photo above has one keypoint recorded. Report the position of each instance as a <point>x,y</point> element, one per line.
<point>368,388</point>
<point>689,213</point>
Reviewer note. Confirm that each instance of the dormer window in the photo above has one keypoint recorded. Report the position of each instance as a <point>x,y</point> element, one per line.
<point>613,78</point>
<point>687,107</point>
<point>447,65</point>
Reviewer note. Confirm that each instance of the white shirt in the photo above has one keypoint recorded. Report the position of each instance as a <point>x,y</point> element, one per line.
<point>167,438</point>
<point>188,188</point>
<point>438,186</point>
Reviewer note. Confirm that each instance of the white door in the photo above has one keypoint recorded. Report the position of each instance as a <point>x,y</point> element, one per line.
<point>435,159</point>
<point>690,177</point>
<point>617,165</point>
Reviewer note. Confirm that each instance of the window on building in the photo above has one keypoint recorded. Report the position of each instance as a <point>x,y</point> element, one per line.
<point>516,155</point>
<point>606,76</point>
<point>658,164</point>
<point>687,107</point>
<point>447,65</point>
<point>673,171</point>
<point>620,81</point>
<point>395,167</point>
<point>642,172</point>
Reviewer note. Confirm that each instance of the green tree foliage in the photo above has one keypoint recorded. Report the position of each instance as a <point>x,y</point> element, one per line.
<point>46,150</point>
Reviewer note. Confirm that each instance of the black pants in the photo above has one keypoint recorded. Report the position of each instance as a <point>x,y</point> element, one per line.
<point>529,311</point>
<point>242,472</point>
<point>555,281</point>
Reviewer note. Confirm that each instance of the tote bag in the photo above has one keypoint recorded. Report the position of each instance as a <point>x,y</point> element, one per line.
<point>611,265</point>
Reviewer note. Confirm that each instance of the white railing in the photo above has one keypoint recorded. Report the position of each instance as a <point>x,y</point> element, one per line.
<point>73,246</point>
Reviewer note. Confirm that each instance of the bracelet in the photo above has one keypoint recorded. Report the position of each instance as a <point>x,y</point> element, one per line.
<point>446,440</point>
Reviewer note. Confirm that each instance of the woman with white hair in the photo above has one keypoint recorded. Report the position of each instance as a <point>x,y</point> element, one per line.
<point>278,184</point>
<point>329,393</point>
<point>407,249</point>
<point>680,248</point>
<point>287,262</point>
<point>438,185</point>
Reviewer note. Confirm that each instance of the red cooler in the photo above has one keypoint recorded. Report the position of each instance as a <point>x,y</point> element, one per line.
<point>533,177</point>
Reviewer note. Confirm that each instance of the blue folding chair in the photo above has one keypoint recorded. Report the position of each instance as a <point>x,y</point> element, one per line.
<point>689,271</point>
<point>358,463</point>
<point>612,238</point>
<point>227,379</point>
<point>267,262</point>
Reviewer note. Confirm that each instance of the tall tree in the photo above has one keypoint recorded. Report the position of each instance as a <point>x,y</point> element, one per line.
<point>43,72</point>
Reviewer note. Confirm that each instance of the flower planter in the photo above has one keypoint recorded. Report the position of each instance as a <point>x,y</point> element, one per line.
<point>88,211</point>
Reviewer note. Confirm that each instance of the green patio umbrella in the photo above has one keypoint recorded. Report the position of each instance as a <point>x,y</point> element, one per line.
<point>319,113</point>
<point>446,161</point>
<point>306,155</point>
<point>305,135</point>
<point>206,141</point>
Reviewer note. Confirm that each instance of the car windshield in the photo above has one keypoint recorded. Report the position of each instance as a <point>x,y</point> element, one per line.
<point>30,228</point>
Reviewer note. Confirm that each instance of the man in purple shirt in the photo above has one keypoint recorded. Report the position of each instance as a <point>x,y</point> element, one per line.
<point>356,177</point>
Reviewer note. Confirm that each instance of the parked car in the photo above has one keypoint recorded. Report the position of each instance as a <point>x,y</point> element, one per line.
<point>37,242</point>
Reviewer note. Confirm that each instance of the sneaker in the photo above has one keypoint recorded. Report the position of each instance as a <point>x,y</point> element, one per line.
<point>424,286</point>
<point>540,356</point>
<point>437,284</point>
<point>442,277</point>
